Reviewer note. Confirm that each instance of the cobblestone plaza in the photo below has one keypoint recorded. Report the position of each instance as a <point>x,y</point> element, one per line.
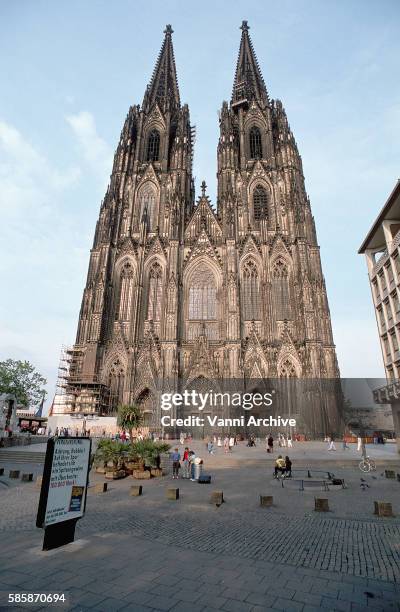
<point>149,553</point>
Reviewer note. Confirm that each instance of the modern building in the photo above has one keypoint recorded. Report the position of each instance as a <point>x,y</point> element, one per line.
<point>381,248</point>
<point>181,293</point>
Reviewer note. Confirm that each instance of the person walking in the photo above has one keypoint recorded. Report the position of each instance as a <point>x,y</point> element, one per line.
<point>331,446</point>
<point>192,459</point>
<point>231,443</point>
<point>344,443</point>
<point>210,447</point>
<point>219,443</point>
<point>226,444</point>
<point>176,458</point>
<point>289,441</point>
<point>270,444</point>
<point>359,443</point>
<point>185,463</point>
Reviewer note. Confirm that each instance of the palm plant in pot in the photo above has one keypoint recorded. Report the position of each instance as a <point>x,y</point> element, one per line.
<point>146,453</point>
<point>129,417</point>
<point>111,452</point>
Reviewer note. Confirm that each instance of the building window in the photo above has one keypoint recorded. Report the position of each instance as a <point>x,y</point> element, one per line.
<point>281,290</point>
<point>382,321</point>
<point>155,293</point>
<point>116,380</point>
<point>260,203</point>
<point>396,303</point>
<point>251,292</point>
<point>255,143</point>
<point>202,295</point>
<point>396,262</point>
<point>386,346</point>
<point>125,293</point>
<point>395,343</point>
<point>375,289</point>
<point>153,146</point>
<point>382,281</point>
<point>389,272</point>
<point>389,313</point>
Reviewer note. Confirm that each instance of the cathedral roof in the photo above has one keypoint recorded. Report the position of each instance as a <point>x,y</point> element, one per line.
<point>163,88</point>
<point>249,83</point>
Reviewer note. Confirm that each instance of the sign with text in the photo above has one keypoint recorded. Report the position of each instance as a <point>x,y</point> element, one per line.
<point>65,481</point>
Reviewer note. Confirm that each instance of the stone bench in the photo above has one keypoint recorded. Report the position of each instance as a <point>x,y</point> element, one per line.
<point>27,477</point>
<point>101,487</point>
<point>266,501</point>
<point>321,504</point>
<point>14,474</point>
<point>217,498</point>
<point>383,508</point>
<point>173,494</point>
<point>136,490</point>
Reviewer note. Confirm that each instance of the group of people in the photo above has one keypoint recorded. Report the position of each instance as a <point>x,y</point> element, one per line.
<point>283,441</point>
<point>283,466</point>
<point>190,464</point>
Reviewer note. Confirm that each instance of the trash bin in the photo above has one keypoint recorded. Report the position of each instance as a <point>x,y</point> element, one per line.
<point>198,468</point>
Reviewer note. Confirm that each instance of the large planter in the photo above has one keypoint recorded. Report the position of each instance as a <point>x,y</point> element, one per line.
<point>101,470</point>
<point>115,475</point>
<point>135,465</point>
<point>156,472</point>
<point>141,474</point>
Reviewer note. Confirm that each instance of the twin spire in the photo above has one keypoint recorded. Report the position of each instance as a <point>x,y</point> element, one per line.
<point>163,87</point>
<point>248,83</point>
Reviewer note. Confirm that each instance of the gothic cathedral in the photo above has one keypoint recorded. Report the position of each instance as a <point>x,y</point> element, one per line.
<point>180,292</point>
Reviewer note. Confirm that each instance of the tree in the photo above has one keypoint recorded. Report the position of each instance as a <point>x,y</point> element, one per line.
<point>130,417</point>
<point>21,379</point>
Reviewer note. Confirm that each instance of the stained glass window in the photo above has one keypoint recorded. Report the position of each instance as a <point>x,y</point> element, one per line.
<point>260,203</point>
<point>155,293</point>
<point>251,292</point>
<point>202,295</point>
<point>255,143</point>
<point>281,290</point>
<point>153,146</point>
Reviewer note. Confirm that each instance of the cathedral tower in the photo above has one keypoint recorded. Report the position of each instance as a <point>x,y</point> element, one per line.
<point>180,293</point>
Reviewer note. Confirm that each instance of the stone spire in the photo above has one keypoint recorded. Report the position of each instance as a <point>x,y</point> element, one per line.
<point>249,83</point>
<point>163,87</point>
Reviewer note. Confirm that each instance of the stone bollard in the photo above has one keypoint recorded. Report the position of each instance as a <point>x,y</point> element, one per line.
<point>266,501</point>
<point>398,477</point>
<point>383,508</point>
<point>101,487</point>
<point>217,498</point>
<point>1,471</point>
<point>173,494</point>
<point>390,474</point>
<point>39,480</point>
<point>27,477</point>
<point>136,490</point>
<point>321,504</point>
<point>14,474</point>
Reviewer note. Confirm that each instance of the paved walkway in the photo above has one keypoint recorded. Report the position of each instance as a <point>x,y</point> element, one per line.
<point>148,553</point>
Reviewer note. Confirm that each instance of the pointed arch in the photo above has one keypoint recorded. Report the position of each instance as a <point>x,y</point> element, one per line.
<point>155,292</point>
<point>251,291</point>
<point>125,294</point>
<point>281,293</point>
<point>255,142</point>
<point>153,146</point>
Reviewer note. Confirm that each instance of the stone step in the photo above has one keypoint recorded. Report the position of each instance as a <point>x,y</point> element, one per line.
<point>12,456</point>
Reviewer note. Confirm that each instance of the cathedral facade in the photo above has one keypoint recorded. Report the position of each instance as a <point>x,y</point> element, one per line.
<point>180,292</point>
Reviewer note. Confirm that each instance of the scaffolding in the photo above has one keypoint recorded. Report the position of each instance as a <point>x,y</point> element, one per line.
<point>76,393</point>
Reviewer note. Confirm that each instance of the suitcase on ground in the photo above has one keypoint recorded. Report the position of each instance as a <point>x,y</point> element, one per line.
<point>205,479</point>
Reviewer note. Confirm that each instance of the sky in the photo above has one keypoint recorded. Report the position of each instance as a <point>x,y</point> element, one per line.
<point>70,71</point>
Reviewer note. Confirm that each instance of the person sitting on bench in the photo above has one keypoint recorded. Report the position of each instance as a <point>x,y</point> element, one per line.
<point>288,467</point>
<point>280,466</point>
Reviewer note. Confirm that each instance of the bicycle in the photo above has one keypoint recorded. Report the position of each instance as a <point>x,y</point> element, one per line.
<point>367,465</point>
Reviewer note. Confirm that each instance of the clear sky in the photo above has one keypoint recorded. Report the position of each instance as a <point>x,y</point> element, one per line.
<point>70,70</point>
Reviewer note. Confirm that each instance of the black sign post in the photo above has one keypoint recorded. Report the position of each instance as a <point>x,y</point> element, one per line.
<point>64,488</point>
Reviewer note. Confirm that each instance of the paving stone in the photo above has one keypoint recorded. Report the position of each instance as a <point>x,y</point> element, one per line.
<point>110,605</point>
<point>162,603</point>
<point>288,605</point>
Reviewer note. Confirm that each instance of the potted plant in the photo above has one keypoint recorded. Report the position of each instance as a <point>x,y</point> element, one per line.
<point>111,454</point>
<point>129,417</point>
<point>146,453</point>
